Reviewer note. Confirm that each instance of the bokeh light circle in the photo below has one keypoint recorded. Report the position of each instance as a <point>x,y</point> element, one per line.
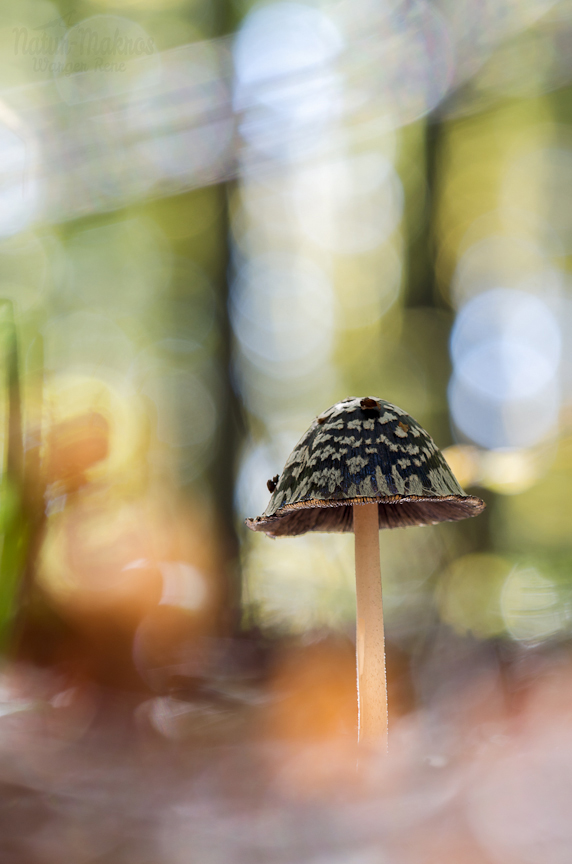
<point>282,314</point>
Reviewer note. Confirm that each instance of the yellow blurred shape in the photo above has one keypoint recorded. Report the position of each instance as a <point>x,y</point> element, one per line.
<point>542,515</point>
<point>464,461</point>
<point>507,472</point>
<point>106,448</point>
<point>510,472</point>
<point>531,606</point>
<point>107,561</point>
<point>75,446</point>
<point>96,557</point>
<point>469,594</point>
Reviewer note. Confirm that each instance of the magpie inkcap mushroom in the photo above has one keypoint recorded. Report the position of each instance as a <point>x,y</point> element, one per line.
<point>365,464</point>
<point>364,451</point>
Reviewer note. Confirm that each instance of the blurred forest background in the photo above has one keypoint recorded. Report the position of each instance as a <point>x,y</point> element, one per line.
<point>216,220</point>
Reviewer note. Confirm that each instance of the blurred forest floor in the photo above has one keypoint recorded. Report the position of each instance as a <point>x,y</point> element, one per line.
<point>260,763</point>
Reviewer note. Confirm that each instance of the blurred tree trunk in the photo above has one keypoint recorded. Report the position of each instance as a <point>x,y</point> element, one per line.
<point>231,424</point>
<point>230,430</point>
<point>423,147</point>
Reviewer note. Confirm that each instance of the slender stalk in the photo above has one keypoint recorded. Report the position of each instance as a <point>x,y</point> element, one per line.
<point>370,641</point>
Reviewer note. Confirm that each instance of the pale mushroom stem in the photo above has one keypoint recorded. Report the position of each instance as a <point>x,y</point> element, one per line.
<point>370,641</point>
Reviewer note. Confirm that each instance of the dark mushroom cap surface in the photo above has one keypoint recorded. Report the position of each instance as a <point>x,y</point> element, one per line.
<point>362,451</point>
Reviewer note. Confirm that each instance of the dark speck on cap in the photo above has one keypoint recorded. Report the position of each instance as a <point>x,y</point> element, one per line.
<point>363,451</point>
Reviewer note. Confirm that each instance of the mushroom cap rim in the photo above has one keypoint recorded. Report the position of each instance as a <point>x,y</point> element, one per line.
<point>475,505</point>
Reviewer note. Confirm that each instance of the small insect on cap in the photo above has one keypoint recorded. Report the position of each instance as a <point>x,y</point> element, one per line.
<point>364,451</point>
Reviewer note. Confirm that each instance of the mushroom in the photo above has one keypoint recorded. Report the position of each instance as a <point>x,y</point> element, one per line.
<point>365,464</point>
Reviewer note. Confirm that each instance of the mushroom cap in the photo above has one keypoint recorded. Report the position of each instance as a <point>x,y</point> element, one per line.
<point>362,451</point>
